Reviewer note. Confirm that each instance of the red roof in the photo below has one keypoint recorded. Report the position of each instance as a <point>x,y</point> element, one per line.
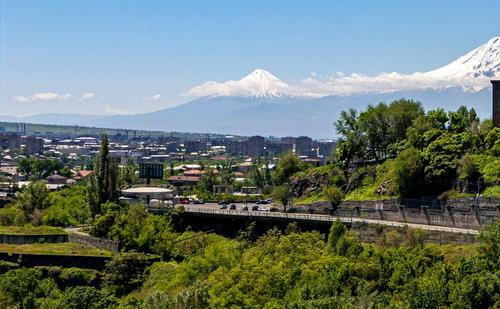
<point>183,178</point>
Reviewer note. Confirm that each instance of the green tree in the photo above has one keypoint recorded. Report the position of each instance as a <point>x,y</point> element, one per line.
<point>334,195</point>
<point>33,197</point>
<point>337,230</point>
<point>462,119</point>
<point>22,286</point>
<point>86,297</point>
<point>288,165</point>
<point>103,183</point>
<point>282,194</point>
<point>408,172</point>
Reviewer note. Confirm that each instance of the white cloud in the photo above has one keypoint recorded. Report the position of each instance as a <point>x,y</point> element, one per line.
<point>108,109</point>
<point>43,96</point>
<point>88,96</point>
<point>155,97</point>
<point>343,84</point>
<point>340,84</point>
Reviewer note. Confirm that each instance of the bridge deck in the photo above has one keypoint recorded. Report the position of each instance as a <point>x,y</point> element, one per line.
<point>319,218</point>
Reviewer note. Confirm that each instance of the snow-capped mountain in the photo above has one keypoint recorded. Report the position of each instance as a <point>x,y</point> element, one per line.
<point>482,62</point>
<point>259,83</point>
<point>261,103</point>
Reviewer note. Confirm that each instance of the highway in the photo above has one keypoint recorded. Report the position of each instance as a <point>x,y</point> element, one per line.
<point>214,210</point>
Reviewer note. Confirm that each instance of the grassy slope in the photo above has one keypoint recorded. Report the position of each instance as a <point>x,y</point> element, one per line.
<point>30,230</point>
<point>59,249</point>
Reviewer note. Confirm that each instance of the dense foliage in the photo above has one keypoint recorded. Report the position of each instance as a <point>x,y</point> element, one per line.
<point>290,269</point>
<point>421,154</point>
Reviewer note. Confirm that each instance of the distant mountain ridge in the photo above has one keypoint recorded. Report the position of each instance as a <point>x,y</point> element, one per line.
<point>261,103</point>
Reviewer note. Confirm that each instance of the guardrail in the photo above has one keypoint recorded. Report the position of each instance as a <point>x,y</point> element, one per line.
<point>322,218</point>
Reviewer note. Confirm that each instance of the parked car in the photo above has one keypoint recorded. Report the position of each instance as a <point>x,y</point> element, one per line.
<point>198,202</point>
<point>222,202</point>
<point>255,208</point>
<point>232,207</point>
<point>269,200</point>
<point>274,209</point>
<point>184,201</point>
<point>263,209</point>
<point>296,209</point>
<point>223,206</point>
<point>244,208</point>
<point>261,202</point>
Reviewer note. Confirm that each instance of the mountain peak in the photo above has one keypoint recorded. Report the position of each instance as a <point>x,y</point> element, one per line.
<point>259,83</point>
<point>482,62</point>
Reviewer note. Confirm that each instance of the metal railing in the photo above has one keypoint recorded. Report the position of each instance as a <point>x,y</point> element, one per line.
<point>322,218</point>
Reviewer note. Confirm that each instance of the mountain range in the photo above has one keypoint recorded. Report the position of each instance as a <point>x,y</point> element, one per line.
<point>261,103</point>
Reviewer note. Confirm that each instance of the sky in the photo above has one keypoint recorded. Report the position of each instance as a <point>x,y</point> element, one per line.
<point>122,57</point>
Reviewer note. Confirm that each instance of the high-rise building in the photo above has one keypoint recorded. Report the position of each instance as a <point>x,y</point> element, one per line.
<point>496,102</point>
<point>256,145</point>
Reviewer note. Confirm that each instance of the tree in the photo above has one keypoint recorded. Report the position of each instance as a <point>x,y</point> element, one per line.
<point>334,195</point>
<point>337,230</point>
<point>33,197</point>
<point>352,140</point>
<point>462,119</point>
<point>127,174</point>
<point>288,165</point>
<point>282,194</point>
<point>103,183</point>
<point>408,172</point>
<point>86,297</point>
<point>22,286</point>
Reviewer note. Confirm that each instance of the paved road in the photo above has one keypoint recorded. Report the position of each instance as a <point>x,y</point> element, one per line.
<point>77,230</point>
<point>214,209</point>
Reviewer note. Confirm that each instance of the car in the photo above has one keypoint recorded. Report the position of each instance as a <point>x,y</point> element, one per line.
<point>295,209</point>
<point>223,206</point>
<point>232,207</point>
<point>261,202</point>
<point>244,208</point>
<point>263,209</point>
<point>222,203</point>
<point>269,200</point>
<point>198,202</point>
<point>274,209</point>
<point>255,208</point>
<point>184,201</point>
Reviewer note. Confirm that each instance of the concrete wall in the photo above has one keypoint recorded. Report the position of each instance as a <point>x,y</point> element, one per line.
<point>31,260</point>
<point>375,233</point>
<point>461,213</point>
<point>32,239</point>
<point>106,244</point>
<point>231,226</point>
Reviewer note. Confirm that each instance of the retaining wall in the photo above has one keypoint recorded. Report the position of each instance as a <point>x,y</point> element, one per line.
<point>31,260</point>
<point>461,213</point>
<point>106,244</point>
<point>32,239</point>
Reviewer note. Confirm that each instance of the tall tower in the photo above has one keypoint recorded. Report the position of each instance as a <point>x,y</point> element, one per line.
<point>496,102</point>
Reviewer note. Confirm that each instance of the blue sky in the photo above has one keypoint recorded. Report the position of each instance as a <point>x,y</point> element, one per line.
<point>136,56</point>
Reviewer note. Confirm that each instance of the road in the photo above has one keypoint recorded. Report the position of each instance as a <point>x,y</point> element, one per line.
<point>214,209</point>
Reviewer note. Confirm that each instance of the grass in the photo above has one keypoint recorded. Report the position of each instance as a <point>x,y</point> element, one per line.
<point>55,249</point>
<point>31,230</point>
<point>493,191</point>
<point>313,197</point>
<point>365,194</point>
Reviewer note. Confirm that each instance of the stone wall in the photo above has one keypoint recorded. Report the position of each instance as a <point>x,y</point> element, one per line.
<point>461,213</point>
<point>376,233</point>
<point>32,239</point>
<point>106,244</point>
